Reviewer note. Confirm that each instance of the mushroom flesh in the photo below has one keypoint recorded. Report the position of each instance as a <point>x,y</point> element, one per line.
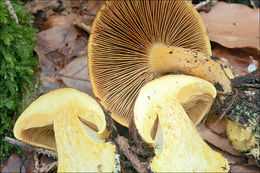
<point>71,123</point>
<point>161,115</point>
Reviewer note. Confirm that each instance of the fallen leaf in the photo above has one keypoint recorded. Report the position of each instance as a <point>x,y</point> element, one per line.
<point>237,59</point>
<point>217,140</point>
<point>239,169</point>
<point>57,47</point>
<point>252,161</point>
<point>93,7</point>
<point>29,162</point>
<point>218,128</point>
<point>45,9</point>
<point>57,20</point>
<point>233,25</point>
<point>75,75</point>
<point>50,83</point>
<point>87,15</point>
<point>231,159</point>
<point>13,164</point>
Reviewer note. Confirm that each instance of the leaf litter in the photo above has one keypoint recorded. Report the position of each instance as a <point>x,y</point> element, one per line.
<point>65,26</point>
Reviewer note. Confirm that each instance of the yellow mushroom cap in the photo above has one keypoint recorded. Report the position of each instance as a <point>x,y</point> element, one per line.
<point>122,36</point>
<point>162,115</point>
<point>73,124</point>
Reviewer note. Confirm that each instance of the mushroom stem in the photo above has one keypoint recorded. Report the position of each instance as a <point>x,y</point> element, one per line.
<point>73,124</point>
<point>162,117</point>
<point>176,131</point>
<point>71,131</point>
<point>166,59</point>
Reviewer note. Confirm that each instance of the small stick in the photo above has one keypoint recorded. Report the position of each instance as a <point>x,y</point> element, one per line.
<point>48,167</point>
<point>11,11</point>
<point>251,85</point>
<point>125,148</point>
<point>90,14</point>
<point>31,148</point>
<point>72,77</point>
<point>228,108</point>
<point>203,3</point>
<point>252,3</point>
<point>84,27</point>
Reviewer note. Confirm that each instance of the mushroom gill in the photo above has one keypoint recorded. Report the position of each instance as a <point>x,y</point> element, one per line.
<point>122,36</point>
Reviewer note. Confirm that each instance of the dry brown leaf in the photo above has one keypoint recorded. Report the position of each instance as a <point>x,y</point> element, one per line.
<point>57,47</point>
<point>46,8</point>
<point>233,25</point>
<point>217,140</point>
<point>76,75</point>
<point>252,161</point>
<point>58,44</point>
<point>231,159</point>
<point>240,169</point>
<point>50,83</point>
<point>93,6</point>
<point>43,9</point>
<point>40,5</point>
<point>218,128</point>
<point>13,164</point>
<point>238,59</point>
<point>57,20</point>
<point>29,163</point>
<point>87,15</point>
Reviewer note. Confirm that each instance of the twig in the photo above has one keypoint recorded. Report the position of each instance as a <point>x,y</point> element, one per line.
<point>124,146</point>
<point>90,14</point>
<point>11,11</point>
<point>29,148</point>
<point>47,167</point>
<point>84,27</point>
<point>36,161</point>
<point>251,85</point>
<point>252,3</point>
<point>228,108</point>
<point>201,4</point>
<point>72,77</point>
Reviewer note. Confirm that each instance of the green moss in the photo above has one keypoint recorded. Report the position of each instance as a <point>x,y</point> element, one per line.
<point>17,66</point>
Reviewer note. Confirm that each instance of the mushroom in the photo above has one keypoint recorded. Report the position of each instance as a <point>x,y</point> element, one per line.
<point>134,42</point>
<point>161,115</point>
<point>71,123</point>
<point>244,139</point>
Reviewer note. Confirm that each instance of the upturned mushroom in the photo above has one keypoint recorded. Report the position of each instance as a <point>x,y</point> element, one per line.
<point>71,123</point>
<point>134,42</point>
<point>161,115</point>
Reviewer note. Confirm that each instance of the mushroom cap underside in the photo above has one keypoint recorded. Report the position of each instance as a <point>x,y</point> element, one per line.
<point>36,124</point>
<point>122,35</point>
<point>162,121</point>
<point>195,95</point>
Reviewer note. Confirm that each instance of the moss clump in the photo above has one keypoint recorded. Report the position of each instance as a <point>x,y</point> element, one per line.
<point>17,66</point>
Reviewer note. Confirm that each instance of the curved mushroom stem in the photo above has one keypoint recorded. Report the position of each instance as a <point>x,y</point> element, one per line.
<point>73,124</point>
<point>177,133</point>
<point>73,138</point>
<point>166,59</point>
